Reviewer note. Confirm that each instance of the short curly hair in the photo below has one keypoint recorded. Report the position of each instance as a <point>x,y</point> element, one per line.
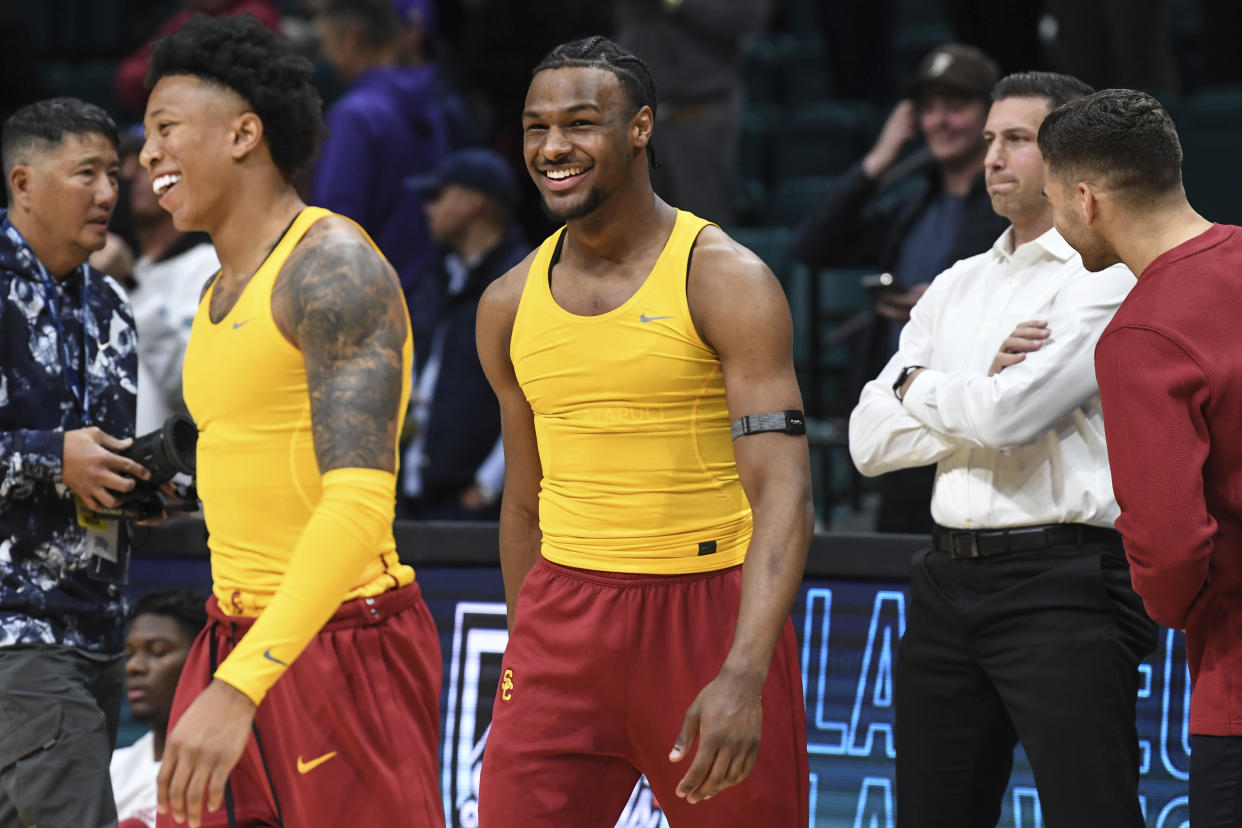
<point>240,53</point>
<point>188,607</point>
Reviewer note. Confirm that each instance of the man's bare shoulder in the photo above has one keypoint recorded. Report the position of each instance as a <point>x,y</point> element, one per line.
<point>722,269</point>
<point>501,298</point>
<point>729,285</point>
<point>336,240</point>
<point>334,270</point>
<point>726,264</point>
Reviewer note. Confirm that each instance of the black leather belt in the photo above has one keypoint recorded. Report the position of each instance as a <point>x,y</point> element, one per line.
<point>984,543</point>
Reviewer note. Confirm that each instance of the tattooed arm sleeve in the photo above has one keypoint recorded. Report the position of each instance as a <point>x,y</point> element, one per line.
<point>348,317</point>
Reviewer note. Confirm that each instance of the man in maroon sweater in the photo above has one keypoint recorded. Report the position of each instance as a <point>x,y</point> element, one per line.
<point>1170,373</point>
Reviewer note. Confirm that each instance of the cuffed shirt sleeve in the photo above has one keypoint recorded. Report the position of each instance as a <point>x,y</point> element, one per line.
<point>1018,405</point>
<point>883,436</point>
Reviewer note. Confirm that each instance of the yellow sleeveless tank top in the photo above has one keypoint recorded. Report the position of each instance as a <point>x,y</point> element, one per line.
<point>245,386</point>
<point>632,425</point>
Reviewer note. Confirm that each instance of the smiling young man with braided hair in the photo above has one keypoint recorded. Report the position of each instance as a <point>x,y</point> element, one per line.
<point>318,676</point>
<point>657,510</point>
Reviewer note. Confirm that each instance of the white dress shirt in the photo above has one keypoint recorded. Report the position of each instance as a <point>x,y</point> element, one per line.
<point>1026,445</point>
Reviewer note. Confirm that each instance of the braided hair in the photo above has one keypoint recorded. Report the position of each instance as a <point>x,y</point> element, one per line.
<point>598,52</point>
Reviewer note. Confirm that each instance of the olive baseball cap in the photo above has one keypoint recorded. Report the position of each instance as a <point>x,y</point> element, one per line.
<point>958,67</point>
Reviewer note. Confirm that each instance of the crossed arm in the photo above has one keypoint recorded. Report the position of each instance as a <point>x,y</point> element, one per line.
<point>1043,371</point>
<point>340,304</point>
<point>1016,406</point>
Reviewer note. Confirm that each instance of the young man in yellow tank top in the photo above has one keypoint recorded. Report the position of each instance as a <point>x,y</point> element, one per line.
<point>312,697</point>
<point>657,508</point>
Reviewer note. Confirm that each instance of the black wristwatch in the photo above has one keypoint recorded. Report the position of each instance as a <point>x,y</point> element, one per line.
<point>902,377</point>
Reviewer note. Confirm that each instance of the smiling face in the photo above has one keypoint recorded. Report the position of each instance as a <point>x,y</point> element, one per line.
<point>582,138</point>
<point>951,123</point>
<point>65,194</point>
<point>1014,166</point>
<point>155,651</point>
<point>191,148</point>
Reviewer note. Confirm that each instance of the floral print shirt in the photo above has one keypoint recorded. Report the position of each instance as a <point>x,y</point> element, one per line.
<point>68,359</point>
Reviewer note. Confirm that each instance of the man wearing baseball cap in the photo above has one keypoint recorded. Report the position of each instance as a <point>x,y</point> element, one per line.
<point>919,233</point>
<point>453,467</point>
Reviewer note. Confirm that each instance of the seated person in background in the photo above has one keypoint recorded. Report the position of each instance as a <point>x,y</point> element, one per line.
<point>918,233</point>
<point>455,466</point>
<point>163,626</point>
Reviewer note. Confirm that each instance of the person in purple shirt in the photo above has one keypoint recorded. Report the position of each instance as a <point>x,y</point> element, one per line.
<point>385,134</point>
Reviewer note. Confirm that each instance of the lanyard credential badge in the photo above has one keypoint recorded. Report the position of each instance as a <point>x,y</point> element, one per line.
<point>101,535</point>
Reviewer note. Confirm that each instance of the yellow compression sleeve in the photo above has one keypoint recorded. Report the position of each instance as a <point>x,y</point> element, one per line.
<point>344,533</point>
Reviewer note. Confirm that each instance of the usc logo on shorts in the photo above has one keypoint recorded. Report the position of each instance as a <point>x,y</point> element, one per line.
<point>506,686</point>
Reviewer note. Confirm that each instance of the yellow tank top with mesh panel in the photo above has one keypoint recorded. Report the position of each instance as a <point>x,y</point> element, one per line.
<point>632,425</point>
<point>245,386</point>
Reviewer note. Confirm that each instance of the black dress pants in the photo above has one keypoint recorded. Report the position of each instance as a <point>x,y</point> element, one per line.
<point>1039,647</point>
<point>1216,781</point>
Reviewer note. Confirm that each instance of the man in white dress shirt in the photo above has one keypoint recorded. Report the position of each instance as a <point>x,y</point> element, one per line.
<point>1022,625</point>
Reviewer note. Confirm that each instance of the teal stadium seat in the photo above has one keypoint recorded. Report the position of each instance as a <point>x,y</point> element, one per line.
<point>762,72</point>
<point>921,27</point>
<point>793,197</point>
<point>805,74</point>
<point>1209,124</point>
<point>754,159</point>
<point>823,139</point>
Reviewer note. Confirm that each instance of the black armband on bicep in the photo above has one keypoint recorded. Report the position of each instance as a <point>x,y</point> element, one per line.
<point>790,422</point>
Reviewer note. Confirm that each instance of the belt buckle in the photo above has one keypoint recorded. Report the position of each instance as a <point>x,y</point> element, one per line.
<point>959,550</point>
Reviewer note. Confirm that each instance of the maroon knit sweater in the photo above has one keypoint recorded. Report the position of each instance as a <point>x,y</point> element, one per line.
<point>1170,372</point>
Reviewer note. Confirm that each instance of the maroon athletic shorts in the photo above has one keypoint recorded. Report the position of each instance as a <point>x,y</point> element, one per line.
<point>348,736</point>
<point>596,680</point>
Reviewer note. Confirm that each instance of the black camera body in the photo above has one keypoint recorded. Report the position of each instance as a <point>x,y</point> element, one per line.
<point>165,452</point>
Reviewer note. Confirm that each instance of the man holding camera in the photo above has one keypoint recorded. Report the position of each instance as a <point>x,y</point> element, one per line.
<point>1023,625</point>
<point>68,371</point>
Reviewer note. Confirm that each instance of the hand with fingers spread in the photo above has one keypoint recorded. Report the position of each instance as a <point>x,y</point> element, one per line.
<point>93,469</point>
<point>202,750</point>
<point>727,719</point>
<point>1027,337</point>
